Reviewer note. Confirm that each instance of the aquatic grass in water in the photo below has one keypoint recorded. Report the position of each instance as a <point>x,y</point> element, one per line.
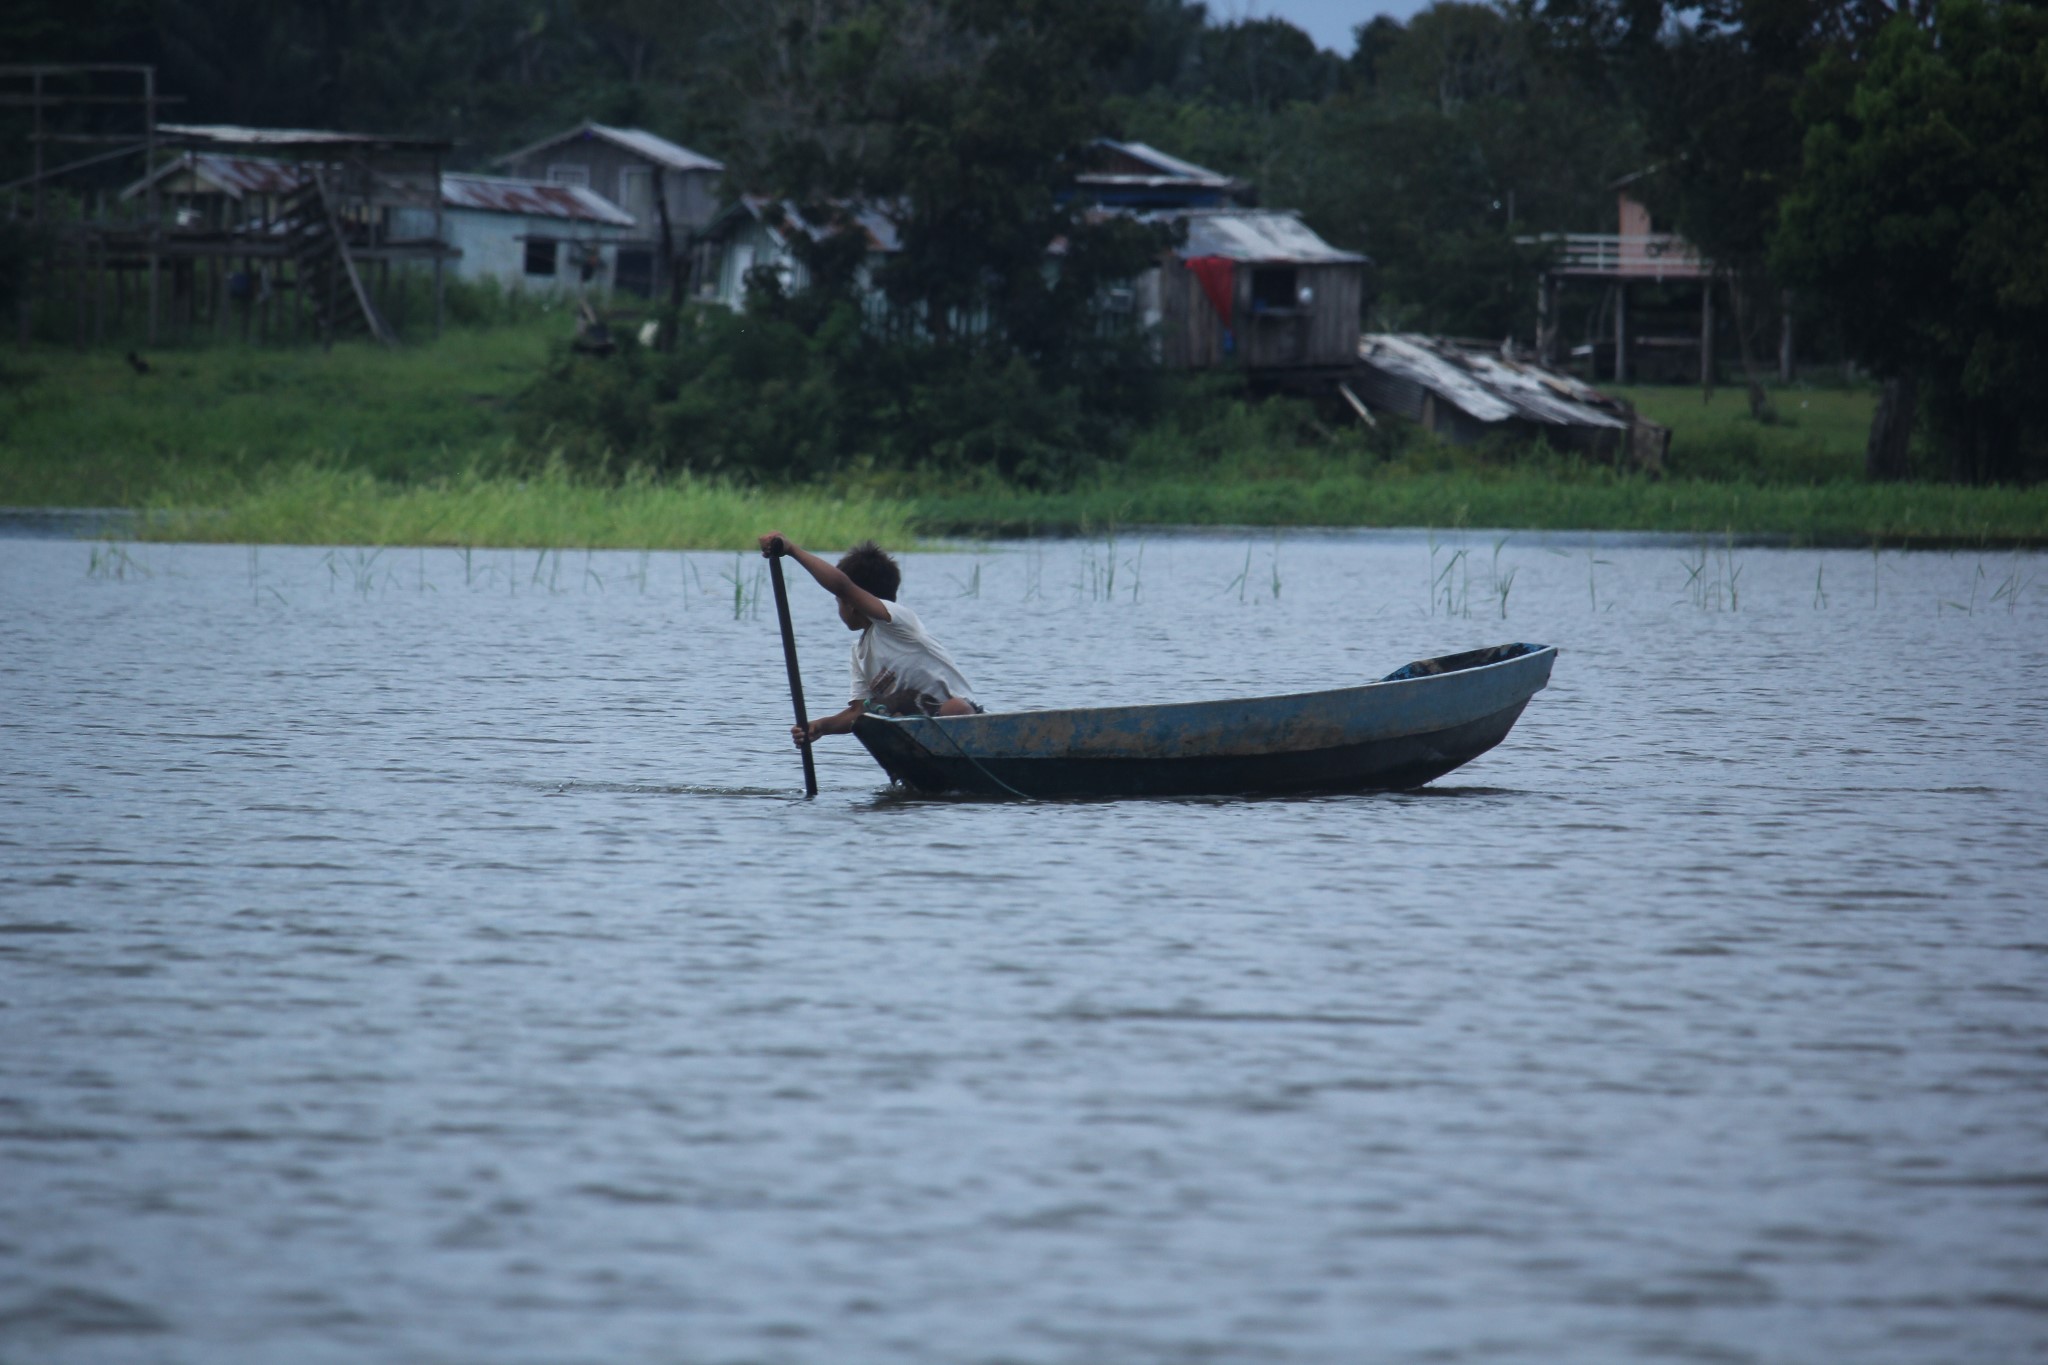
<point>1502,584</point>
<point>112,561</point>
<point>1446,586</point>
<point>1721,591</point>
<point>746,591</point>
<point>1716,577</point>
<point>1968,608</point>
<point>1098,569</point>
<point>2012,586</point>
<point>1243,575</point>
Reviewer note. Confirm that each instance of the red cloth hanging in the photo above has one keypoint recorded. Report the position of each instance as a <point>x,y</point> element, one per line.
<point>1218,278</point>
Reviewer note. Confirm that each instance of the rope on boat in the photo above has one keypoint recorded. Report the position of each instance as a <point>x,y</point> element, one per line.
<point>1022,796</point>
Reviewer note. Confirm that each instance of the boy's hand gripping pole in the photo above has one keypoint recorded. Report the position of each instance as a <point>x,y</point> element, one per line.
<point>796,679</point>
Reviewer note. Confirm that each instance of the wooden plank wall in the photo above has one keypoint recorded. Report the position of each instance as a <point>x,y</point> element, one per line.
<point>1191,335</point>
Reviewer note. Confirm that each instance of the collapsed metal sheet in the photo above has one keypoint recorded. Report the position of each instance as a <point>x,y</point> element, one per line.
<point>1487,387</point>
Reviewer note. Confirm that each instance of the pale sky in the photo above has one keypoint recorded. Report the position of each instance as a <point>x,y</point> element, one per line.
<point>1329,22</point>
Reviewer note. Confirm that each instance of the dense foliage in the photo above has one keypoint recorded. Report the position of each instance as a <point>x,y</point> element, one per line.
<point>763,395</point>
<point>1919,219</point>
<point>1881,160</point>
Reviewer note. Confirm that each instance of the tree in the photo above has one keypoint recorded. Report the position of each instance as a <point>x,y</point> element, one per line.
<point>1460,135</point>
<point>1918,218</point>
<point>963,120</point>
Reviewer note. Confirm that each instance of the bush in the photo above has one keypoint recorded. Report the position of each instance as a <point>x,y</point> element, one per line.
<point>761,397</point>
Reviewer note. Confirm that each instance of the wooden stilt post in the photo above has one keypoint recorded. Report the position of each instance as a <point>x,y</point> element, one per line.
<point>152,226</point>
<point>79,273</point>
<point>1621,331</point>
<point>26,319</point>
<point>440,246</point>
<point>1707,337</point>
<point>1785,337</point>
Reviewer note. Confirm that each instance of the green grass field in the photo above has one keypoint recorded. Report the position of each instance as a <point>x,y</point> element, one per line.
<point>364,446</point>
<point>1819,435</point>
<point>83,429</point>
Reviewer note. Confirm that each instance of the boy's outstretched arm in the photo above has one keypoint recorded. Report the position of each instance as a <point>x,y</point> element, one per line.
<point>838,724</point>
<point>828,575</point>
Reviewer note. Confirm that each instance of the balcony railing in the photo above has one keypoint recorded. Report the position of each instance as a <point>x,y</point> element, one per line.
<point>1656,255</point>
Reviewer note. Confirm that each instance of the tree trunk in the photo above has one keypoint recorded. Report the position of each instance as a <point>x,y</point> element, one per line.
<point>1892,429</point>
<point>665,337</point>
<point>1759,402</point>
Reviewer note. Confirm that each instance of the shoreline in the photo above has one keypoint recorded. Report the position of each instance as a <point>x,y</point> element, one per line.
<point>118,524</point>
<point>357,446</point>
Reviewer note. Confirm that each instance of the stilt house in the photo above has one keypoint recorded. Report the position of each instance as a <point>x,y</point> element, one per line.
<point>671,193</point>
<point>530,236</point>
<point>1259,290</point>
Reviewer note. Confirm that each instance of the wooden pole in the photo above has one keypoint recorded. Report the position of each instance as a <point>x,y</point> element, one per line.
<point>1785,337</point>
<point>39,273</point>
<point>440,252</point>
<point>796,679</point>
<point>1621,331</point>
<point>151,225</point>
<point>1707,337</point>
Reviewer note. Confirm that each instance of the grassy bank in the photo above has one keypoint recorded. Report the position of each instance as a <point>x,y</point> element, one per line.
<point>206,425</point>
<point>1828,514</point>
<point>319,504</point>
<point>363,446</point>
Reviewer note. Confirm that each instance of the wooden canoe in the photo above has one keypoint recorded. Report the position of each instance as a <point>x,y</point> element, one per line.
<point>1409,728</point>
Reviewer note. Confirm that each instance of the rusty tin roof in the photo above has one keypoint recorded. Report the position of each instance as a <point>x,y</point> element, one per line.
<point>234,176</point>
<point>640,142</point>
<point>502,194</point>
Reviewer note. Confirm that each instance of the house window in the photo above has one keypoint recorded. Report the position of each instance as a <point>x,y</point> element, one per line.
<point>1273,288</point>
<point>540,256</point>
<point>635,272</point>
<point>569,175</point>
<point>636,192</point>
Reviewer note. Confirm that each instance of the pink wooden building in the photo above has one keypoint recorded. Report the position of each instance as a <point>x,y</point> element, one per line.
<point>1635,254</point>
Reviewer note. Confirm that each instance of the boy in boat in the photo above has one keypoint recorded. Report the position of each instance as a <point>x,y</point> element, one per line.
<point>898,669</point>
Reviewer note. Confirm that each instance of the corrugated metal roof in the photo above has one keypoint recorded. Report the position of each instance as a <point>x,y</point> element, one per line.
<point>1171,167</point>
<point>1487,387</point>
<point>638,141</point>
<point>234,176</point>
<point>1254,235</point>
<point>501,194</point>
<point>658,148</point>
<point>237,135</point>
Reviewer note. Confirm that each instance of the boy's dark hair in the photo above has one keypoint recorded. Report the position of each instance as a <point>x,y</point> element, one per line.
<point>871,569</point>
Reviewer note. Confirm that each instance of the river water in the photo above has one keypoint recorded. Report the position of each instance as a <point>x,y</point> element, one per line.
<point>419,957</point>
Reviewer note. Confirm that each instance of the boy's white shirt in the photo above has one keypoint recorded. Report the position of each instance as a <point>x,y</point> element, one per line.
<point>900,648</point>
